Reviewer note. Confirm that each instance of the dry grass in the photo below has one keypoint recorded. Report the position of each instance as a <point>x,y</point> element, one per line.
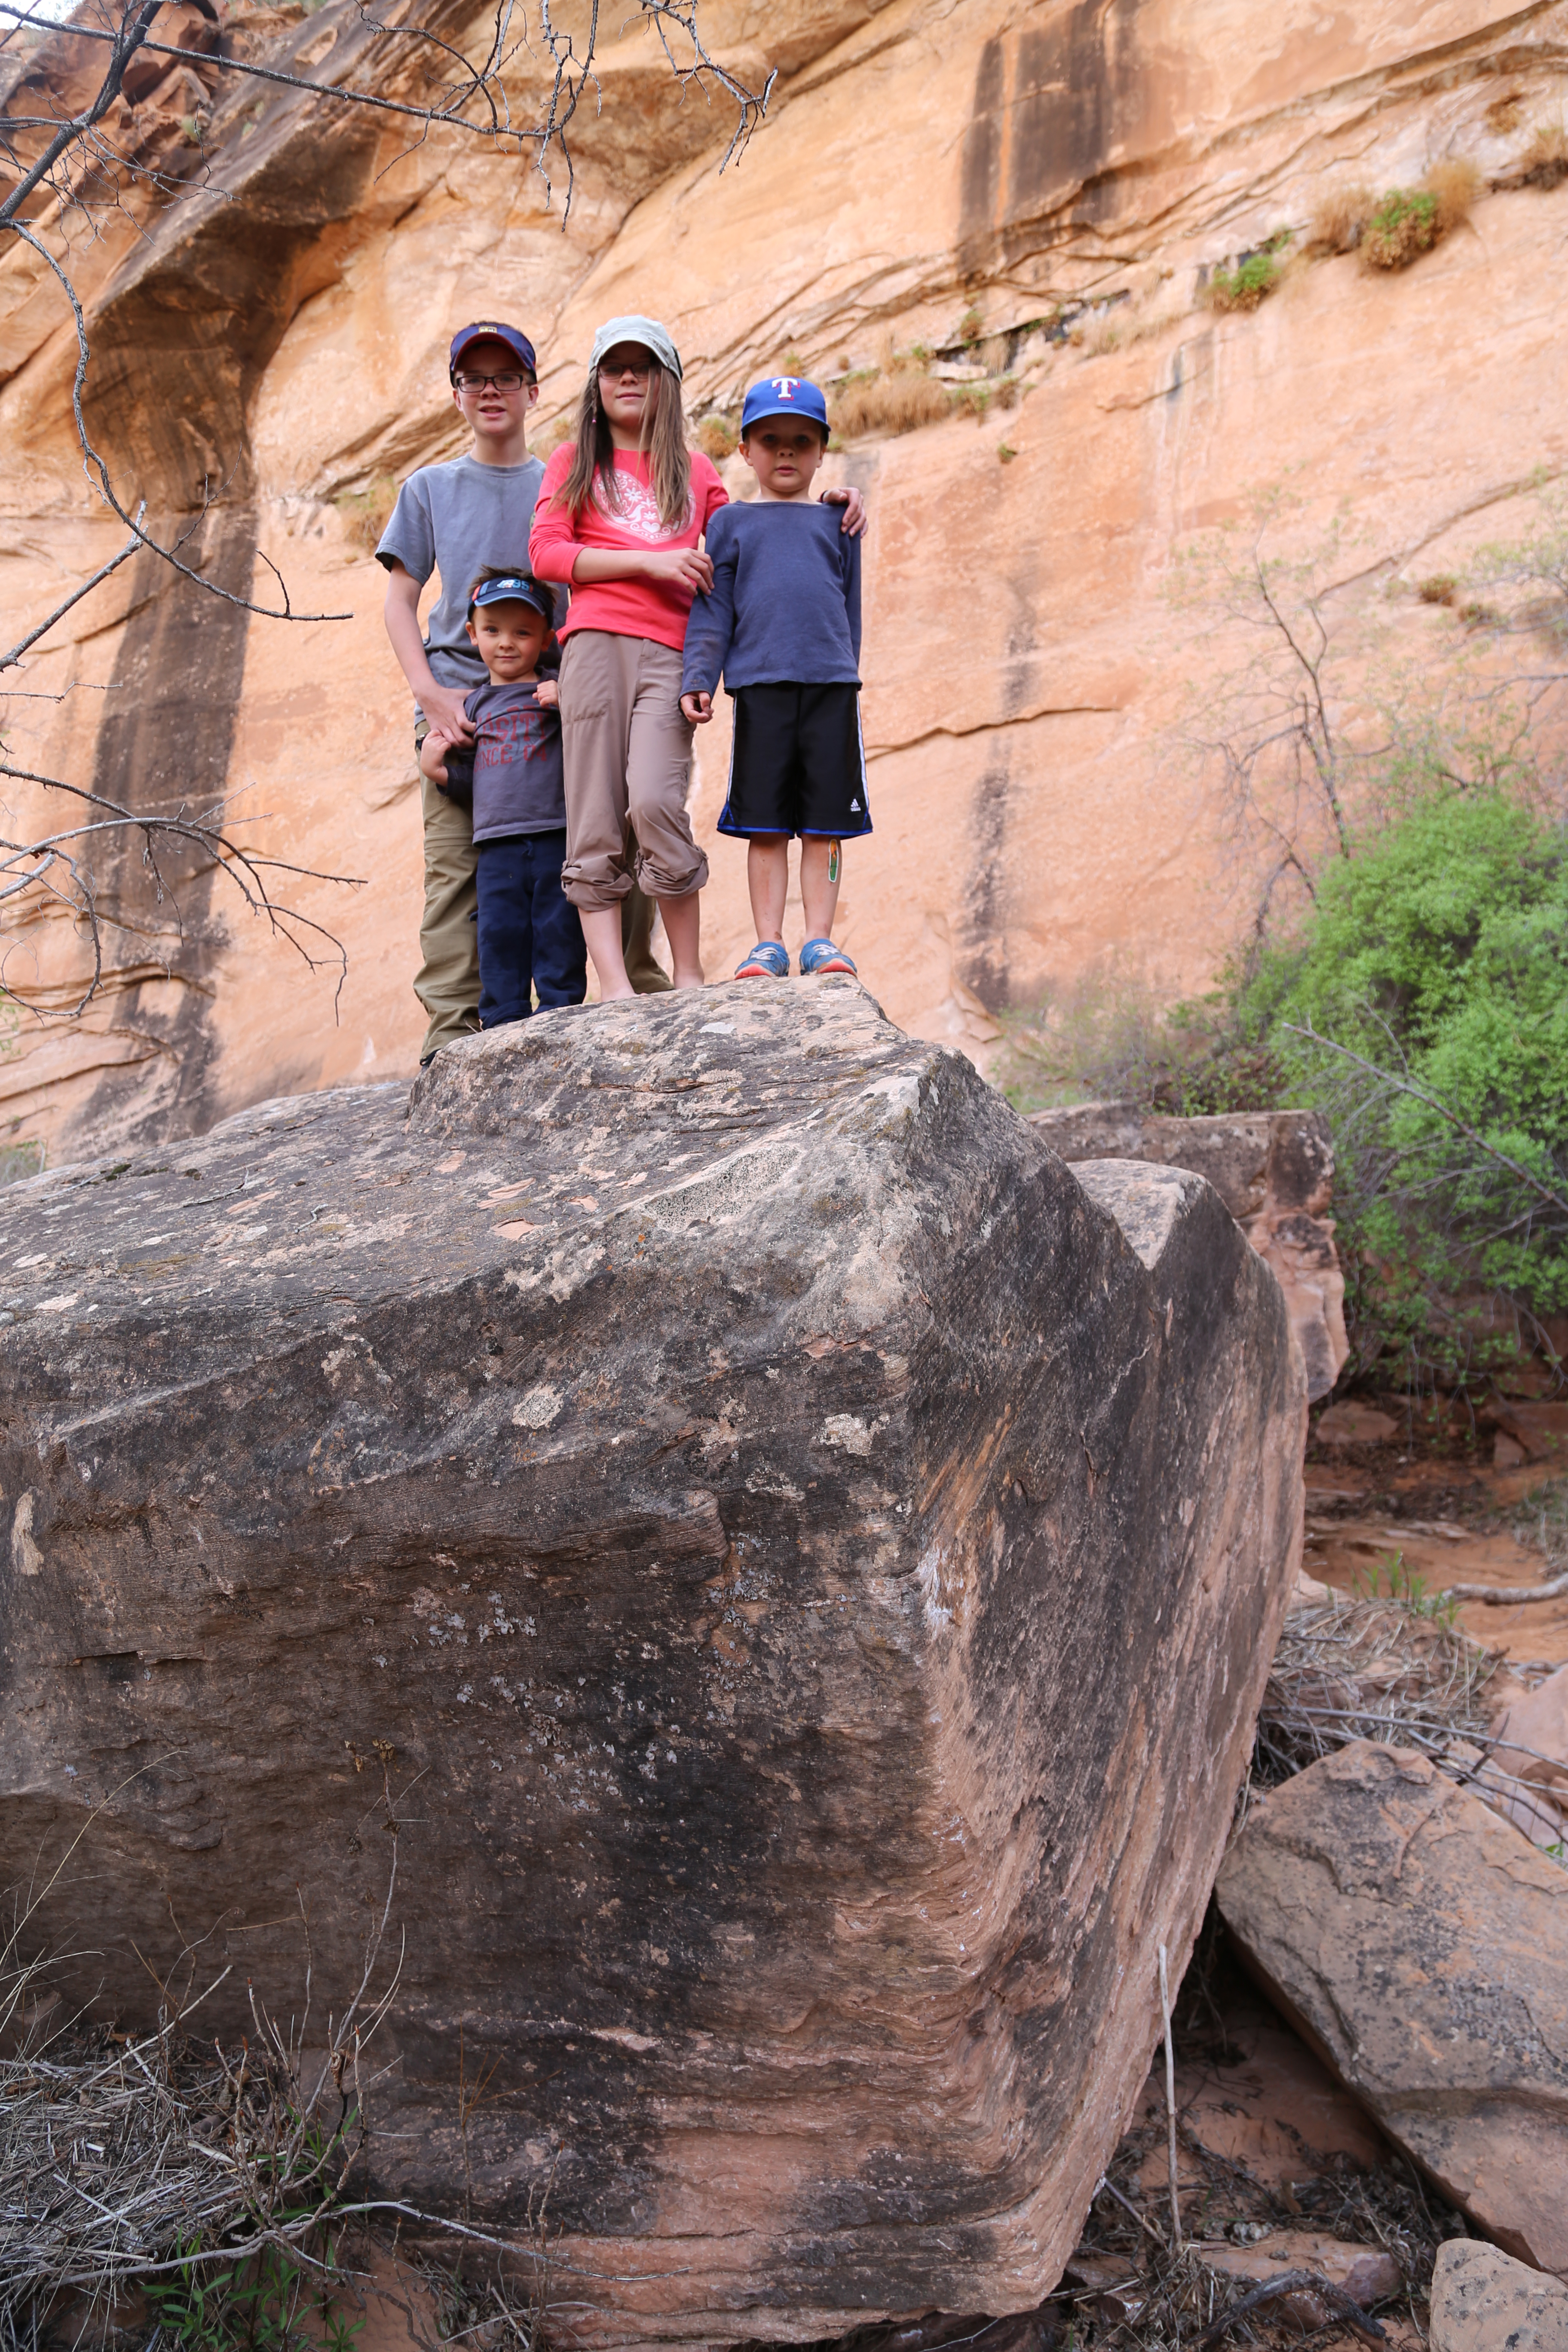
<point>716,438</point>
<point>1339,221</point>
<point>161,2164</point>
<point>899,396</point>
<point>367,514</point>
<point>1395,1670</point>
<point>1544,162</point>
<point>977,400</point>
<point>1456,184</point>
<point>1437,588</point>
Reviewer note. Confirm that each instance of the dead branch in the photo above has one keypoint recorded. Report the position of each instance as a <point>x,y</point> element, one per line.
<point>52,868</point>
<point>1406,1085</point>
<point>1508,1596</point>
<point>1341,2305</point>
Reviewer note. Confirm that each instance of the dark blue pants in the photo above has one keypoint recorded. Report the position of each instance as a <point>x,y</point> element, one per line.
<point>530,936</point>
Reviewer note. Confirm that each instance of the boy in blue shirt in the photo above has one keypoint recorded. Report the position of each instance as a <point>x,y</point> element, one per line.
<point>782,626</point>
<point>529,937</point>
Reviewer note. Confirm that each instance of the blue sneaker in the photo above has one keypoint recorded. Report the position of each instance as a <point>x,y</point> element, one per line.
<point>821,955</point>
<point>767,961</point>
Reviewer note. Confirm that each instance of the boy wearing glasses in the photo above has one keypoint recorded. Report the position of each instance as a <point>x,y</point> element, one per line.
<point>472,515</point>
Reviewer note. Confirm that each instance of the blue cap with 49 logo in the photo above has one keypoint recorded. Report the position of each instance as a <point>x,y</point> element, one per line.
<point>784,395</point>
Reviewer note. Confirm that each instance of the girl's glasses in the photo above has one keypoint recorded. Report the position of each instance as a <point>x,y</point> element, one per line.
<point>640,369</point>
<point>508,380</point>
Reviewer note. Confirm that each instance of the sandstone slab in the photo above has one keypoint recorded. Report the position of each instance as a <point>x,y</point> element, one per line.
<point>1274,1169</point>
<point>796,1563</point>
<point>1483,2300</point>
<point>1421,1944</point>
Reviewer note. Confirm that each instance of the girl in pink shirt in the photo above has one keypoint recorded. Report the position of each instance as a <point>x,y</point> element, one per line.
<point>619,515</point>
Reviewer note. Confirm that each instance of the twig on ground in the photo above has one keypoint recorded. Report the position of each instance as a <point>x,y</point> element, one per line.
<point>1508,1596</point>
<point>1170,2099</point>
<point>1340,2304</point>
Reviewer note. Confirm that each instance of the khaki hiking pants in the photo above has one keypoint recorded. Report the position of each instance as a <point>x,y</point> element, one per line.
<point>448,981</point>
<point>628,769</point>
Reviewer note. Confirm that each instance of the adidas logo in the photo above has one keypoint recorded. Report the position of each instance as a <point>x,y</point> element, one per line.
<point>854,808</point>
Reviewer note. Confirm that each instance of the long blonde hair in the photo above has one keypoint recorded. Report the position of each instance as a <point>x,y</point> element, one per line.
<point>593,473</point>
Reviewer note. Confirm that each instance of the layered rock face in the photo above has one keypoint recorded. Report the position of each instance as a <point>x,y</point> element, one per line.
<point>795,1564</point>
<point>928,175</point>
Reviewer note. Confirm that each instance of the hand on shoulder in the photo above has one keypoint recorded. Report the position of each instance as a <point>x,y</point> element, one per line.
<point>854,505</point>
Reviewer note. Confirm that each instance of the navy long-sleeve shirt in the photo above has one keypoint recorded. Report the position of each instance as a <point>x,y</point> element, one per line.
<point>785,606</point>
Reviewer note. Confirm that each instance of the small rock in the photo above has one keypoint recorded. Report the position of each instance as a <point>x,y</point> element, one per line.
<point>1352,1423</point>
<point>1508,1454</point>
<point>1374,2277</point>
<point>1483,2300</point>
<point>1122,2294</point>
<point>1302,2313</point>
<point>1366,2273</point>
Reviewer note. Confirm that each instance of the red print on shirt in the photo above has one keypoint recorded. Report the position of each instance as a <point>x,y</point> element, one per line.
<point>512,735</point>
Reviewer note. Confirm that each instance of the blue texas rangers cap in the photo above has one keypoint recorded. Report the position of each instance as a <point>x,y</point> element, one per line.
<point>516,588</point>
<point>491,330</point>
<point>784,395</point>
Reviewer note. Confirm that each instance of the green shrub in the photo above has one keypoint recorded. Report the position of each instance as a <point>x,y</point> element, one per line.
<point>1246,286</point>
<point>1402,225</point>
<point>1425,1007</point>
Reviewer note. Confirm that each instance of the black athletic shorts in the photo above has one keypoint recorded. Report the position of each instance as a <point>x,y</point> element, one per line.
<point>797,763</point>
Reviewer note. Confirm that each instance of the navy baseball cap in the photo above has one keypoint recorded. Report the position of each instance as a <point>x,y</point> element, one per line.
<point>784,395</point>
<point>516,588</point>
<point>490,331</point>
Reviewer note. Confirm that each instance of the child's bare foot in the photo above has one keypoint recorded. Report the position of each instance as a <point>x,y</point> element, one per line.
<point>689,976</point>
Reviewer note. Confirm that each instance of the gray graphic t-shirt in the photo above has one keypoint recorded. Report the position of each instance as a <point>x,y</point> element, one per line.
<point>459,519</point>
<point>514,762</point>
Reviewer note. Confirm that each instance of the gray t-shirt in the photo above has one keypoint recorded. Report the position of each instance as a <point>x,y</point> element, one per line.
<point>459,519</point>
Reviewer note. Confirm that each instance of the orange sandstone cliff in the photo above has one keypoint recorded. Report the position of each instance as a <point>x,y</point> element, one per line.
<point>1037,195</point>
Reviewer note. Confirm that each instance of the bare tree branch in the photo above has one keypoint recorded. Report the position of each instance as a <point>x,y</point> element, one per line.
<point>9,661</point>
<point>1406,1085</point>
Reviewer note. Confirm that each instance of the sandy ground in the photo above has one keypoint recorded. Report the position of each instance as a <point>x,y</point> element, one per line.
<point>1368,1502</point>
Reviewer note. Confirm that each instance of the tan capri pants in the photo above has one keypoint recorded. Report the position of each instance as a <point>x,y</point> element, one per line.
<point>628,768</point>
<point>448,982</point>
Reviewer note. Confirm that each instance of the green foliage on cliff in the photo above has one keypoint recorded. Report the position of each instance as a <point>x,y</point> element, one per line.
<point>1424,1007</point>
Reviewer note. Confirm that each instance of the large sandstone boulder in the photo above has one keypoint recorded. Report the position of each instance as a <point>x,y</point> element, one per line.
<point>804,1562</point>
<point>1422,1946</point>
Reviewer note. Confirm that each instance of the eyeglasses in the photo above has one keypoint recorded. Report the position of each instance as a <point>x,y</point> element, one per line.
<point>508,380</point>
<point>641,369</point>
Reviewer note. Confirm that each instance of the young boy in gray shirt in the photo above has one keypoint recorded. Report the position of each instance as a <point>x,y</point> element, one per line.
<point>530,938</point>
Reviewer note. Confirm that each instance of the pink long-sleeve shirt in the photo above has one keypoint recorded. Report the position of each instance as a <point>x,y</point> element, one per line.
<point>624,608</point>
